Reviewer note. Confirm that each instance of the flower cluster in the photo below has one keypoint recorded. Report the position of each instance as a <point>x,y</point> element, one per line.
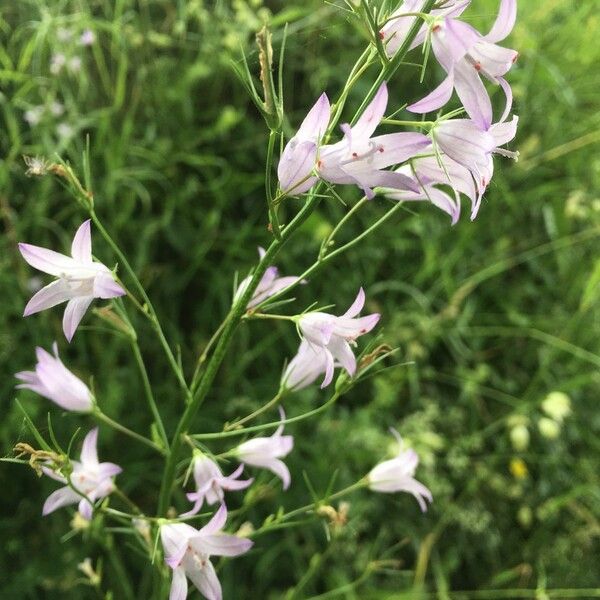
<point>456,154</point>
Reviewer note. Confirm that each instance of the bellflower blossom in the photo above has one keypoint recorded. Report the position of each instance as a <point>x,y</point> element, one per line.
<point>394,32</point>
<point>303,370</point>
<point>90,477</point>
<point>265,452</point>
<point>397,475</point>
<point>211,483</point>
<point>54,381</point>
<point>79,279</point>
<point>468,145</point>
<point>334,335</point>
<point>359,159</point>
<point>465,54</point>
<point>188,551</point>
<point>269,285</point>
<point>300,153</point>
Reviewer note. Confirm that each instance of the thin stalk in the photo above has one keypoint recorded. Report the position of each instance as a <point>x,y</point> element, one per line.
<point>98,414</point>
<point>329,240</point>
<point>151,312</point>
<point>273,219</point>
<point>259,411</point>
<point>272,425</point>
<point>235,316</point>
<point>204,355</point>
<point>149,394</point>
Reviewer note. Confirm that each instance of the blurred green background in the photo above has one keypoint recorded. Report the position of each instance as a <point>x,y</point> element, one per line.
<point>491,317</point>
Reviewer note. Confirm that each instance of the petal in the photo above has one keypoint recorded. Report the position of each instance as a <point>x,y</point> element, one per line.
<point>395,148</point>
<point>86,510</point>
<point>316,121</point>
<point>89,452</point>
<point>473,94</point>
<point>54,293</point>
<point>174,538</point>
<point>108,469</point>
<point>220,544</point>
<point>216,523</point>
<point>280,469</point>
<point>341,351</point>
<point>61,497</point>
<point>435,99</point>
<point>357,305</point>
<point>505,21</point>
<point>451,41</point>
<point>106,287</point>
<point>47,261</point>
<point>504,132</point>
<point>329,369</point>
<point>445,202</point>
<point>371,117</point>
<point>179,586</point>
<point>509,98</point>
<point>206,580</point>
<point>296,165</point>
<point>74,312</point>
<point>81,248</point>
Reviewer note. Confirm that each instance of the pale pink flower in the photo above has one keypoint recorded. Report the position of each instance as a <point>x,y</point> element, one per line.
<point>359,158</point>
<point>300,153</point>
<point>465,54</point>
<point>265,452</point>
<point>79,279</point>
<point>188,551</point>
<point>305,368</point>
<point>89,478</point>
<point>211,484</point>
<point>394,32</point>
<point>88,37</point>
<point>54,381</point>
<point>269,285</point>
<point>397,475</point>
<point>335,335</point>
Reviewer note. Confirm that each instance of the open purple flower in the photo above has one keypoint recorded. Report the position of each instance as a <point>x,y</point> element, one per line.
<point>188,551</point>
<point>397,475</point>
<point>394,32</point>
<point>265,452</point>
<point>359,159</point>
<point>305,368</point>
<point>436,175</point>
<point>54,381</point>
<point>465,54</point>
<point>269,285</point>
<point>298,158</point>
<point>211,484</point>
<point>334,335</point>
<point>90,480</point>
<point>79,279</point>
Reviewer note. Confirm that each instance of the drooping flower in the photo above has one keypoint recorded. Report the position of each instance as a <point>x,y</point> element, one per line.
<point>434,174</point>
<point>79,279</point>
<point>300,153</point>
<point>465,54</point>
<point>54,381</point>
<point>397,475</point>
<point>211,484</point>
<point>269,285</point>
<point>188,551</point>
<point>473,148</point>
<point>334,335</point>
<point>89,478</point>
<point>265,452</point>
<point>305,368</point>
<point>359,159</point>
<point>394,32</point>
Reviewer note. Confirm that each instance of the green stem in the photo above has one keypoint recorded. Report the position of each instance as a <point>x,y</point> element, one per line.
<point>235,316</point>
<point>259,411</point>
<point>150,313</point>
<point>329,240</point>
<point>204,355</point>
<point>392,66</point>
<point>149,395</point>
<point>273,219</point>
<point>424,124</point>
<point>98,414</point>
<point>264,426</point>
